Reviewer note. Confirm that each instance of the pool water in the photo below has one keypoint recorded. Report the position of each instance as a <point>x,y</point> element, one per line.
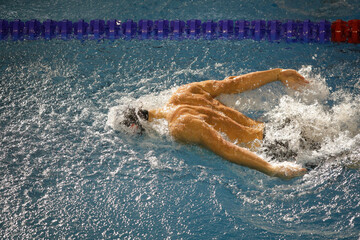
<point>68,170</point>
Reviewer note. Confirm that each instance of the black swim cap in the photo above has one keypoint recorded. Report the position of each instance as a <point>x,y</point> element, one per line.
<point>144,114</point>
<point>131,119</point>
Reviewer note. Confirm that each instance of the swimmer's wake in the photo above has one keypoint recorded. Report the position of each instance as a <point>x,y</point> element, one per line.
<point>291,135</point>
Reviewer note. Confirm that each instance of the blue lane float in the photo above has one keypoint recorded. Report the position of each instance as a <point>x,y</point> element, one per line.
<point>258,30</point>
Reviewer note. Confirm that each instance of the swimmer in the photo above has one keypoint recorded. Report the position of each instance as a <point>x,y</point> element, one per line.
<point>196,117</point>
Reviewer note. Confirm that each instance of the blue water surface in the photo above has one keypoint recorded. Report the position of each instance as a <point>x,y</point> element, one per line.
<point>66,174</point>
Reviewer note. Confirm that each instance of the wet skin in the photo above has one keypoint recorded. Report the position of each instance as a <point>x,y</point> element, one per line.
<point>196,117</point>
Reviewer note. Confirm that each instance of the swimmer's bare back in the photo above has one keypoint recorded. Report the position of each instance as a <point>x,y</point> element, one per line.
<point>195,116</point>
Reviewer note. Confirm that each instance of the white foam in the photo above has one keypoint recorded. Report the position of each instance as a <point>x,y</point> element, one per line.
<point>149,101</point>
<point>311,128</point>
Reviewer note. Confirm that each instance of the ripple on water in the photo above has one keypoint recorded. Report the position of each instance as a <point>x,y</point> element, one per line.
<point>67,174</point>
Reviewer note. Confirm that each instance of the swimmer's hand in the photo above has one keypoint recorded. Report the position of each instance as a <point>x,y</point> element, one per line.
<point>292,79</point>
<point>287,170</point>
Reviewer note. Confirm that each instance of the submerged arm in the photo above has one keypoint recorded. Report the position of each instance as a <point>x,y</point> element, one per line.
<point>197,131</point>
<point>245,157</point>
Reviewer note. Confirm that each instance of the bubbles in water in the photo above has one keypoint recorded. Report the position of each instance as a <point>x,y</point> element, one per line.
<point>301,126</point>
<point>305,128</point>
<point>149,101</point>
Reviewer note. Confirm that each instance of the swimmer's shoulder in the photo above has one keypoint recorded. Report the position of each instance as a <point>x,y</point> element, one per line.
<point>199,88</point>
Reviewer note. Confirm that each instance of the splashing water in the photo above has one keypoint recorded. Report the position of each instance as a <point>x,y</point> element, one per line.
<point>301,127</point>
<point>304,127</point>
<point>150,101</point>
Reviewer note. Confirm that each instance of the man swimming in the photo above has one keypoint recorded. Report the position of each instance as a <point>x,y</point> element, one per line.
<point>196,117</point>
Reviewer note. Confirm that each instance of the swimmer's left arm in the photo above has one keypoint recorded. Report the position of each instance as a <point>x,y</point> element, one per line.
<point>239,84</point>
<point>292,79</point>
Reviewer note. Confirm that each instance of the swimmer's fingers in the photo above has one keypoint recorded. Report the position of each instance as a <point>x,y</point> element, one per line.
<point>298,86</point>
<point>295,85</point>
<point>295,82</point>
<point>302,81</point>
<point>292,79</point>
<point>301,172</point>
<point>288,171</point>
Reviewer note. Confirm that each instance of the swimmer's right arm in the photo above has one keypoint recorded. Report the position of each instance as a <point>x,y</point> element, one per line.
<point>245,157</point>
<point>211,139</point>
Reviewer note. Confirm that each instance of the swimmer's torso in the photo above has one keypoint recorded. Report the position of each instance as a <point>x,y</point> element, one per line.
<point>192,103</point>
<point>195,116</point>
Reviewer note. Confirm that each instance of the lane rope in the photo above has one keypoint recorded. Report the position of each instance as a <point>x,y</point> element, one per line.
<point>272,30</point>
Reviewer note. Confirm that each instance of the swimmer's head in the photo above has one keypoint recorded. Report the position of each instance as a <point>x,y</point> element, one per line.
<point>133,118</point>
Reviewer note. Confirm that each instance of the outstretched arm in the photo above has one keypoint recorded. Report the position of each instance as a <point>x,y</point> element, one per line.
<point>199,132</point>
<point>242,156</point>
<point>238,84</point>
